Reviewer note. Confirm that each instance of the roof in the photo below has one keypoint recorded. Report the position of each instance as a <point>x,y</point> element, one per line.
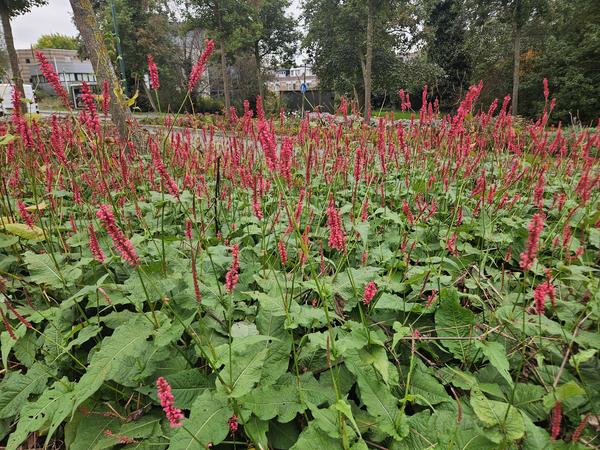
<point>68,67</point>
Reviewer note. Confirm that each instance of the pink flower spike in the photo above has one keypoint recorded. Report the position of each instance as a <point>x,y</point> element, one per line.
<point>370,292</point>
<point>153,73</point>
<point>167,401</point>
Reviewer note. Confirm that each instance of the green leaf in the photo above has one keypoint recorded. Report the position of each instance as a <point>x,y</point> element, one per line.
<point>377,397</point>
<point>582,357</point>
<point>244,369</point>
<point>312,437</point>
<point>24,231</point>
<point>44,270</point>
<point>502,421</point>
<point>117,353</point>
<point>343,407</point>
<point>281,400</point>
<point>48,411</point>
<point>427,386</point>
<point>400,332</point>
<point>16,388</point>
<point>207,423</point>
<point>454,321</point>
<point>496,355</point>
<point>186,386</point>
<point>256,430</point>
<point>563,393</point>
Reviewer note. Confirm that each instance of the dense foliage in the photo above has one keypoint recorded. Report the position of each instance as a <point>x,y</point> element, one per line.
<point>57,40</point>
<point>321,284</point>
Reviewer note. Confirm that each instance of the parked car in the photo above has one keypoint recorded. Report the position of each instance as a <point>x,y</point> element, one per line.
<point>6,91</point>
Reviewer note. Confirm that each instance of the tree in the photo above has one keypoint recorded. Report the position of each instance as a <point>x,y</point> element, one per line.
<point>519,13</point>
<point>231,24</point>
<point>147,28</point>
<point>8,10</point>
<point>354,44</point>
<point>57,40</point>
<point>85,21</point>
<point>275,36</point>
<point>446,48</point>
<point>569,59</point>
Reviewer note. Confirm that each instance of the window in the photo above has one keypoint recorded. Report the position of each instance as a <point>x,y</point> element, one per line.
<point>27,61</point>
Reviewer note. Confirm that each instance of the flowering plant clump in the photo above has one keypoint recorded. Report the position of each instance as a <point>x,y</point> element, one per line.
<point>301,283</point>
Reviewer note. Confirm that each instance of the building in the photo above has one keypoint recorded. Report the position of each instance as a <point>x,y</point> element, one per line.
<point>287,85</point>
<point>71,70</point>
<point>291,80</point>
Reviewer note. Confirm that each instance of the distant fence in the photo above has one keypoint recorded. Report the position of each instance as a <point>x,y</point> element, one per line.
<point>292,101</point>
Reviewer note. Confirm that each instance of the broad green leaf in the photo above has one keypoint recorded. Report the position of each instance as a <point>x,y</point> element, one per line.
<point>502,421</point>
<point>400,332</point>
<point>47,412</point>
<point>33,233</point>
<point>282,400</point>
<point>116,354</point>
<point>377,397</point>
<point>312,437</point>
<point>563,393</point>
<point>207,423</point>
<point>496,355</point>
<point>427,386</point>
<point>457,323</point>
<point>256,430</point>
<point>186,386</point>
<point>16,388</point>
<point>45,270</point>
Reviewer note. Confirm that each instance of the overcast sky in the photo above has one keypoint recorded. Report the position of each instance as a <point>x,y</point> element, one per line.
<point>52,18</point>
<point>55,18</point>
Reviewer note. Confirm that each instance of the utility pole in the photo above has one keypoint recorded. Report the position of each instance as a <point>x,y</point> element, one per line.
<point>119,50</point>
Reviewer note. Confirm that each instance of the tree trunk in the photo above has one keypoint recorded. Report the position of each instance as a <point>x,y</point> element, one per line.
<point>225,78</point>
<point>10,48</point>
<point>258,63</point>
<point>369,60</point>
<point>149,95</point>
<point>516,62</point>
<point>85,21</point>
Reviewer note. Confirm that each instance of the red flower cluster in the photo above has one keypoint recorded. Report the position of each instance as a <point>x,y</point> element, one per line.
<point>91,115</point>
<point>105,97</point>
<point>49,72</point>
<point>153,73</point>
<point>535,229</point>
<point>97,252</point>
<point>337,240</point>
<point>233,423</point>
<point>282,252</point>
<point>123,245</point>
<point>370,292</point>
<point>200,65</point>
<point>167,401</point>
<point>540,293</point>
<point>231,278</point>
<point>556,418</point>
<point>25,214</point>
<point>159,165</point>
<point>269,146</point>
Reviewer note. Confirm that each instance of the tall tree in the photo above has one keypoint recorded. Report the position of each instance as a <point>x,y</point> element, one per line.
<point>275,37</point>
<point>519,13</point>
<point>8,10</point>
<point>145,28</point>
<point>353,43</point>
<point>569,59</point>
<point>85,21</point>
<point>446,47</point>
<point>230,22</point>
